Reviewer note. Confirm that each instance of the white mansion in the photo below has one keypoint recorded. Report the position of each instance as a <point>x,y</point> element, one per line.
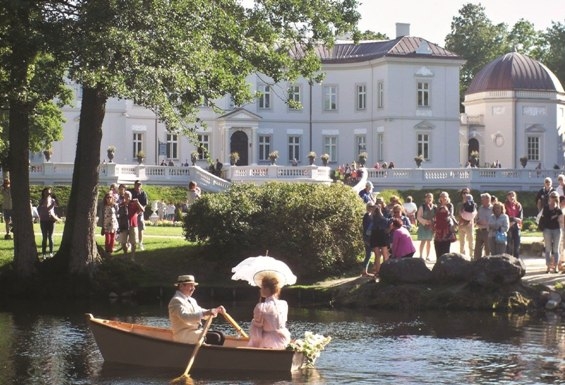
<point>393,99</point>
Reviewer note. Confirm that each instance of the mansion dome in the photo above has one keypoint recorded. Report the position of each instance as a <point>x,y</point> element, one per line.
<point>514,71</point>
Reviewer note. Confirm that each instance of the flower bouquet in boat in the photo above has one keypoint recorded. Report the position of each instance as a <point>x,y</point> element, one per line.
<point>310,347</point>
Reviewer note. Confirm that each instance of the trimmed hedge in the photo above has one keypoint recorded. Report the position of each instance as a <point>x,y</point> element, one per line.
<point>314,228</point>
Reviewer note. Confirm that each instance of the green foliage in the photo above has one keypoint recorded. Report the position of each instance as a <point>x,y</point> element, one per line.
<point>529,224</point>
<point>370,35</point>
<point>475,38</point>
<point>553,50</point>
<point>314,228</point>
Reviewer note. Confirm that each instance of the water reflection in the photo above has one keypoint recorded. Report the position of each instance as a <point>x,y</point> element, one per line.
<point>52,345</point>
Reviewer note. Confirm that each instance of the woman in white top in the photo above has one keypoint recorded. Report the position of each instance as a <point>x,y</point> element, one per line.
<point>268,327</point>
<point>410,209</point>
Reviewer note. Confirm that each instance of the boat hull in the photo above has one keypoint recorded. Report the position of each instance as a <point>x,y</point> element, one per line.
<point>140,345</point>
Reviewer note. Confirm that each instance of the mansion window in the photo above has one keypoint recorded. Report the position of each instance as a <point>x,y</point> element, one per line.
<point>380,94</point>
<point>294,97</point>
<point>361,92</point>
<point>380,146</point>
<point>423,94</point>
<point>264,96</point>
<point>204,140</point>
<point>264,147</point>
<point>137,143</point>
<point>293,148</point>
<point>361,143</point>
<point>533,150</point>
<point>172,146</point>
<point>330,98</point>
<point>330,147</point>
<point>423,145</point>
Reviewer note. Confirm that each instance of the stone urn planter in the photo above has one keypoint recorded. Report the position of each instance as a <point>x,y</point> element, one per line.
<point>111,151</point>
<point>273,156</point>
<point>524,161</point>
<point>47,154</point>
<point>311,157</point>
<point>363,158</point>
<point>234,157</point>
<point>419,159</point>
<point>140,157</point>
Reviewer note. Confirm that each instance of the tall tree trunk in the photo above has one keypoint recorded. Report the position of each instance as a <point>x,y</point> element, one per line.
<point>78,246</point>
<point>25,249</point>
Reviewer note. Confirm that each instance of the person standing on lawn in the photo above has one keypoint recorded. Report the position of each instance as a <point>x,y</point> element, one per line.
<point>137,193</point>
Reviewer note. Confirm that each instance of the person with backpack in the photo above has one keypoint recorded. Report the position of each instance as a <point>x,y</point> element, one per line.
<point>129,211</point>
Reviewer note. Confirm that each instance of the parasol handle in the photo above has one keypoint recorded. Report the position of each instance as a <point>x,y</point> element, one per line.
<point>235,324</point>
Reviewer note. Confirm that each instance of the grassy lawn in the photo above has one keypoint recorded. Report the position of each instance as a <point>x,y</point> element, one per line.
<point>166,255</point>
<point>160,242</point>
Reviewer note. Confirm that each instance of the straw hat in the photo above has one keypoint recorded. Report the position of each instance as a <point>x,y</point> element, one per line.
<point>186,278</point>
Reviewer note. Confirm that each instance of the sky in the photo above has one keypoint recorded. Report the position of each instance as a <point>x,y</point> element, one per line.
<point>431,19</point>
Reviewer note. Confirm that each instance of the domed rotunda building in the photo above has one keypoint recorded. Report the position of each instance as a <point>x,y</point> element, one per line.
<point>514,108</point>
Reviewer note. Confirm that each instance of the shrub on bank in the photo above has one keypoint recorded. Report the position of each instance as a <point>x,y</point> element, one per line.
<point>314,228</point>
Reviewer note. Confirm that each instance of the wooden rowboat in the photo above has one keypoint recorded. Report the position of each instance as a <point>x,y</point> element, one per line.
<point>149,346</point>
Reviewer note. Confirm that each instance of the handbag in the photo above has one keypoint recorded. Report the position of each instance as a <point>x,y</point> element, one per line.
<point>453,224</point>
<point>500,237</point>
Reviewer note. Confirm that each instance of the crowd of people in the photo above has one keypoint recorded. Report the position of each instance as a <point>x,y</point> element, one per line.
<point>488,228</point>
<point>123,221</point>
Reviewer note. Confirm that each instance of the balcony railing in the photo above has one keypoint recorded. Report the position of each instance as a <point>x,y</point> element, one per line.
<point>481,179</point>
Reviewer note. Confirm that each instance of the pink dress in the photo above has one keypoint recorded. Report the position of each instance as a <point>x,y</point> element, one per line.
<point>268,327</point>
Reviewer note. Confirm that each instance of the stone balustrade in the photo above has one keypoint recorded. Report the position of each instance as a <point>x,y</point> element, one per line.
<point>481,179</point>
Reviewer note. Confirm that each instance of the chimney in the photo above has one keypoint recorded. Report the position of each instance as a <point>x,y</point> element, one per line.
<point>402,29</point>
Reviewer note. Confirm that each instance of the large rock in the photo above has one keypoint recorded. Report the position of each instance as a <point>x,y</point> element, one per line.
<point>498,270</point>
<point>450,268</point>
<point>405,270</point>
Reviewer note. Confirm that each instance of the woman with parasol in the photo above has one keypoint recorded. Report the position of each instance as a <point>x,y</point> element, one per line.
<point>268,327</point>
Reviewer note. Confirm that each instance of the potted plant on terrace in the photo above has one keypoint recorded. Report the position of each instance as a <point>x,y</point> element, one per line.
<point>273,156</point>
<point>194,157</point>
<point>524,161</point>
<point>234,157</point>
<point>140,156</point>
<point>111,151</point>
<point>311,157</point>
<point>325,158</point>
<point>419,159</point>
<point>474,158</point>
<point>47,153</point>
<point>363,158</point>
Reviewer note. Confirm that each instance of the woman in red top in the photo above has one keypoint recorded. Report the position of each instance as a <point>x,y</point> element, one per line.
<point>514,211</point>
<point>443,236</point>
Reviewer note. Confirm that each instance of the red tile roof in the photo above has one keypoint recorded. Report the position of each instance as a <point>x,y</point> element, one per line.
<point>405,46</point>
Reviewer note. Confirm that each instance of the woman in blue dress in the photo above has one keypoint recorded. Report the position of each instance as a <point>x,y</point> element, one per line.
<point>425,216</point>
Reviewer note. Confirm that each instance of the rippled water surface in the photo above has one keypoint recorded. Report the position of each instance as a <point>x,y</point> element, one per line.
<point>54,346</point>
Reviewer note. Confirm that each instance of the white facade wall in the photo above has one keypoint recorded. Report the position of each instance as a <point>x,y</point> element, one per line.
<point>509,118</point>
<point>388,126</point>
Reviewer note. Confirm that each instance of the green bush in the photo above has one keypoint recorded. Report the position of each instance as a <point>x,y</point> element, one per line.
<point>314,228</point>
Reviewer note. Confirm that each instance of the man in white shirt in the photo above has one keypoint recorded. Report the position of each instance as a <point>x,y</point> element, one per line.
<point>185,314</point>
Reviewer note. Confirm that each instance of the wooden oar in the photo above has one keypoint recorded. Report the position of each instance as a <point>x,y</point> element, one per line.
<point>235,325</point>
<point>185,376</point>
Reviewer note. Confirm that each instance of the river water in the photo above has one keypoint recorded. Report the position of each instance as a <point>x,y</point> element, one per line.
<point>51,344</point>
